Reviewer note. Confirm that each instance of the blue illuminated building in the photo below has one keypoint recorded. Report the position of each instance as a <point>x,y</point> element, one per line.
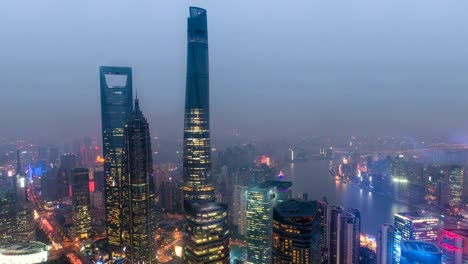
<point>420,252</point>
<point>419,226</point>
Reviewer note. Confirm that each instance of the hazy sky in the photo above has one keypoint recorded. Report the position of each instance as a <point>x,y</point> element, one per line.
<point>276,67</point>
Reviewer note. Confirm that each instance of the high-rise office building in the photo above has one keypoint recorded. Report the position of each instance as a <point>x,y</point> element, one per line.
<point>342,235</point>
<point>385,238</point>
<point>197,148</point>
<point>282,188</point>
<point>260,201</point>
<point>53,155</point>
<point>49,186</point>
<point>68,161</point>
<point>116,104</point>
<point>7,213</point>
<point>348,237</point>
<point>418,252</point>
<point>137,191</point>
<point>297,231</point>
<point>42,153</point>
<point>239,209</point>
<point>206,232</point>
<point>454,245</point>
<point>64,174</point>
<point>331,233</point>
<point>456,176</point>
<point>25,226</point>
<point>80,202</point>
<point>419,226</point>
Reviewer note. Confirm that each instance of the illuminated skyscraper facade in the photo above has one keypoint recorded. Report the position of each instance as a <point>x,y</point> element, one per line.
<point>260,201</point>
<point>385,238</point>
<point>138,192</point>
<point>456,176</point>
<point>197,149</point>
<point>7,213</point>
<point>116,104</point>
<point>297,231</point>
<point>25,225</point>
<point>80,202</point>
<point>206,233</point>
<point>413,226</point>
<point>454,245</point>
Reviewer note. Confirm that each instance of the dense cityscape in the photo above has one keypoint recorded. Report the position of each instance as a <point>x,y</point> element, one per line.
<point>128,196</point>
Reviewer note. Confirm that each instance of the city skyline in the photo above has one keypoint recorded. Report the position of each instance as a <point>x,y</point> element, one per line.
<point>368,71</point>
<point>329,149</point>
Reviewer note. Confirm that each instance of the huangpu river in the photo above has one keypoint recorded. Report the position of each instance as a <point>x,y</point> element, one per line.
<point>312,177</point>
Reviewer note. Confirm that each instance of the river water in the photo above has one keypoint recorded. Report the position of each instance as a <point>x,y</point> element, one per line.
<point>312,177</point>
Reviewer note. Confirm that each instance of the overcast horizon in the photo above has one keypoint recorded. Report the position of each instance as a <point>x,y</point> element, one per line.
<point>314,68</point>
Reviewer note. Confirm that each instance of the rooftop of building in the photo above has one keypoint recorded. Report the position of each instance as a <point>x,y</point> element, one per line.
<point>279,184</point>
<point>416,215</point>
<point>23,248</point>
<point>297,208</point>
<point>420,246</point>
<point>196,207</point>
<point>197,11</point>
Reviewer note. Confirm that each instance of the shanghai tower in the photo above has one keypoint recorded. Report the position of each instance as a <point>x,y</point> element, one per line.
<point>206,232</point>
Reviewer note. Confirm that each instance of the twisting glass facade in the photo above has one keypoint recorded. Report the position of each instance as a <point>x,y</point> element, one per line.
<point>197,150</point>
<point>116,104</point>
<point>138,192</point>
<point>206,232</point>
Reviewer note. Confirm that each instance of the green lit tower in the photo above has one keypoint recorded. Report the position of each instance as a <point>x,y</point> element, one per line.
<point>206,232</point>
<point>260,201</point>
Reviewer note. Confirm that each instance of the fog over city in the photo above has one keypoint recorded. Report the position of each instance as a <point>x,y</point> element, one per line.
<point>309,68</point>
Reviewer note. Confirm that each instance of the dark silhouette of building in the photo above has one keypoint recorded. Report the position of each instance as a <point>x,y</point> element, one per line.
<point>116,104</point>
<point>53,155</point>
<point>385,238</point>
<point>297,232</point>
<point>138,191</point>
<point>206,233</point>
<point>49,184</point>
<point>343,235</point>
<point>64,174</point>
<point>171,196</point>
<point>349,229</point>
<point>331,234</point>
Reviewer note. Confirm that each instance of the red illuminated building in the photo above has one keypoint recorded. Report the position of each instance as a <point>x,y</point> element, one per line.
<point>454,245</point>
